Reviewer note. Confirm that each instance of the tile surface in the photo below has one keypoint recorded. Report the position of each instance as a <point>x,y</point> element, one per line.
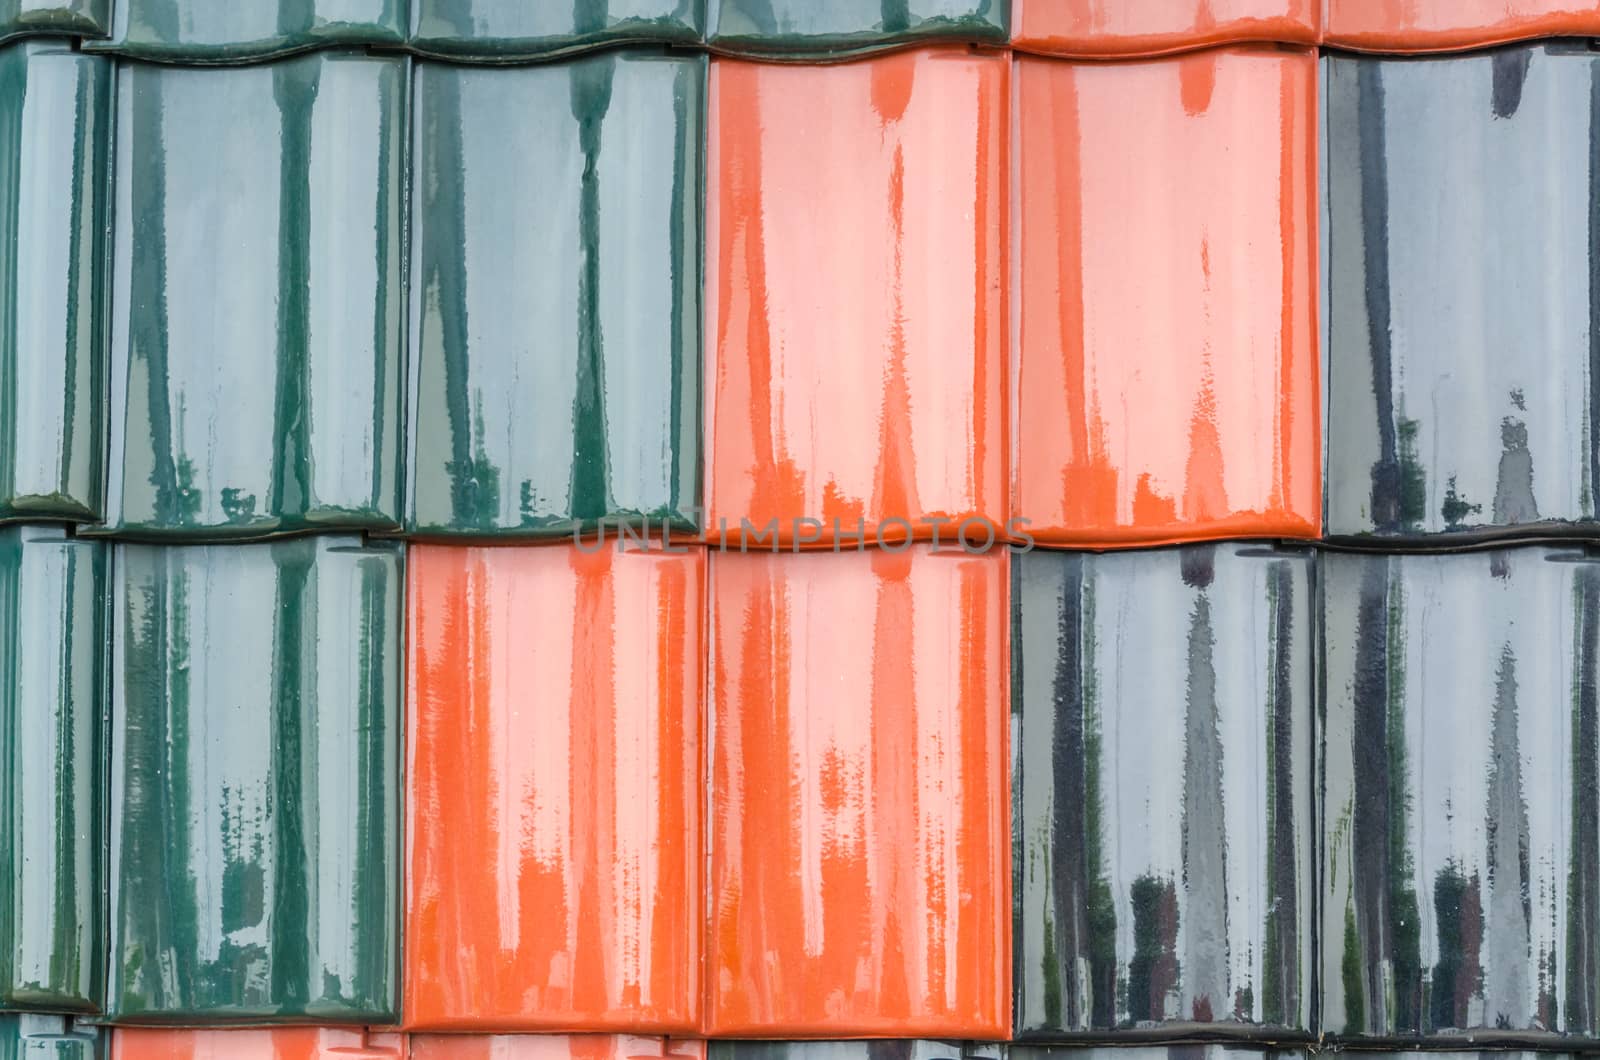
<point>1162,702</point>
<point>255,783</point>
<point>257,304</point>
<point>507,30</point>
<point>219,31</point>
<point>1461,772</point>
<point>1167,361</point>
<point>32,1037</point>
<point>1436,25</point>
<point>283,1043</point>
<point>1461,299</point>
<point>55,115</point>
<point>1106,28</point>
<point>554,795</point>
<point>556,296</point>
<point>811,29</point>
<point>552,1047</point>
<point>856,294</point>
<point>859,852</point>
<point>54,737</point>
<point>25,17</point>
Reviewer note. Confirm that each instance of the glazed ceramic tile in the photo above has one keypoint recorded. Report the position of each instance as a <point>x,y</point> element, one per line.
<point>54,720</point>
<point>257,303</point>
<point>220,31</point>
<point>859,828</point>
<point>508,30</point>
<point>1461,379</point>
<point>1437,25</point>
<point>255,783</point>
<point>856,296</point>
<point>552,1047</point>
<point>556,296</point>
<point>1108,28</point>
<point>284,1043</point>
<point>554,795</point>
<point>55,117</point>
<point>19,18</point>
<point>1461,773</point>
<point>878,1049</point>
<point>1167,360</point>
<point>31,1037</point>
<point>1162,706</point>
<point>803,29</point>
<point>1173,1052</point>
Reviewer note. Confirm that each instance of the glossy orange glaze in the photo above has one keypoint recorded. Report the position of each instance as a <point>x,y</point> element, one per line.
<point>855,292</point>
<point>552,1047</point>
<point>1104,28</point>
<point>283,1043</point>
<point>1441,25</point>
<point>1167,382</point>
<point>553,795</point>
<point>860,865</point>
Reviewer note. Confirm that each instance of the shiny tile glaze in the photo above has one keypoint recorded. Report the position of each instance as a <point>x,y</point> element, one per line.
<point>55,116</point>
<point>257,305</point>
<point>54,736</point>
<point>255,783</point>
<point>1162,706</point>
<point>220,31</point>
<point>1461,771</point>
<point>859,839</point>
<point>556,331</point>
<point>552,1047</point>
<point>1462,305</point>
<point>554,794</point>
<point>879,1049</point>
<point>1178,1052</point>
<point>48,1038</point>
<point>812,29</point>
<point>1438,25</point>
<point>283,1043</point>
<point>856,292</point>
<point>508,30</point>
<point>1109,28</point>
<point>1167,354</point>
<point>20,18</point>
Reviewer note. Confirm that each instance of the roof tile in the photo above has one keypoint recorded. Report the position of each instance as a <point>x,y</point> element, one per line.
<point>556,296</point>
<point>254,788</point>
<point>55,116</point>
<point>553,789</point>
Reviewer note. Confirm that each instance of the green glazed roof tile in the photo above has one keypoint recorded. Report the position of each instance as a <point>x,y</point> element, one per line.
<point>812,29</point>
<point>55,114</point>
<point>20,18</point>
<point>505,30</point>
<point>556,295</point>
<point>256,331</point>
<point>255,783</point>
<point>28,1037</point>
<point>222,31</point>
<point>54,703</point>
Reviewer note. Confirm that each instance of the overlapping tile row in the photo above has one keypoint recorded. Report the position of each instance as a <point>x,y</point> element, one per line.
<point>212,31</point>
